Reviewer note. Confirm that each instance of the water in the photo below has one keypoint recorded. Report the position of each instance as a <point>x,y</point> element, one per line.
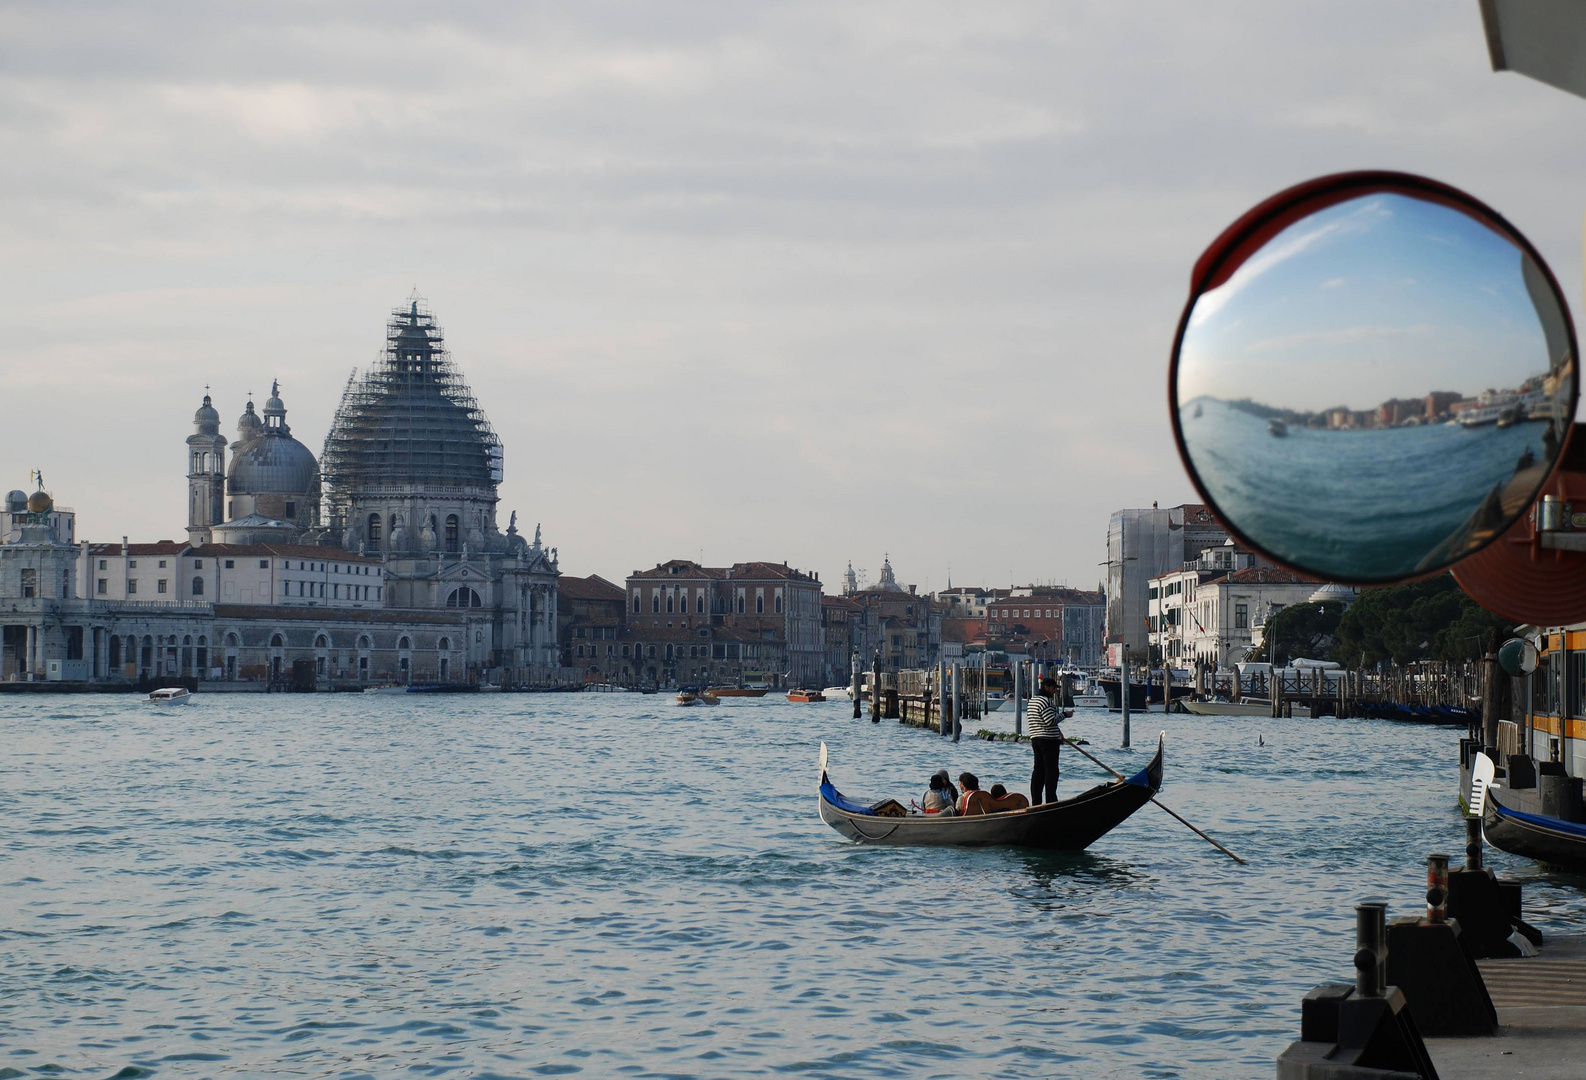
<point>608,885</point>
<point>1355,504</point>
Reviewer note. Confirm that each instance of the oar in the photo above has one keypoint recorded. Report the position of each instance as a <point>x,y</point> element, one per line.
<point>1154,799</point>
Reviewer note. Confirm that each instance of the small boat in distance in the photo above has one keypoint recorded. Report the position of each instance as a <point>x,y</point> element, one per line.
<point>805,695</point>
<point>1277,428</point>
<point>386,688</point>
<point>170,695</point>
<point>736,691</point>
<point>688,695</point>
<point>1067,825</point>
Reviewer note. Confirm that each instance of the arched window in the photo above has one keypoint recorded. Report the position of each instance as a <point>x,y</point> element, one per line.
<point>699,604</point>
<point>669,603</point>
<point>363,642</point>
<point>464,597</point>
<point>779,603</point>
<point>115,652</point>
<point>232,641</point>
<point>759,604</point>
<point>203,639</point>
<point>635,603</point>
<point>444,644</point>
<point>320,642</point>
<point>740,603</point>
<point>451,532</point>
<point>404,644</point>
<point>655,603</point>
<point>198,586</point>
<point>374,532</point>
<point>187,639</point>
<point>277,641</point>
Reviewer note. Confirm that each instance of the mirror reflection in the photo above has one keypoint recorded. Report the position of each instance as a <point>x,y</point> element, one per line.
<point>1378,390</point>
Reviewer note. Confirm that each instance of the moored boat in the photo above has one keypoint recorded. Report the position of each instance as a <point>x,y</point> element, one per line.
<point>170,695</point>
<point>1247,707</point>
<point>1067,825</point>
<point>805,695</point>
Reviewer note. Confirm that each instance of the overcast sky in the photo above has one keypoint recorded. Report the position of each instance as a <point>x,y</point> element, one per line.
<point>810,282</point>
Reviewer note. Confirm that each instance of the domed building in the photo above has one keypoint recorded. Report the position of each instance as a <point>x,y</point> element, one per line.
<point>272,487</point>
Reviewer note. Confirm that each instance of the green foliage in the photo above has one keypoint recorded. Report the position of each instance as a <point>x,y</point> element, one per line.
<point>1301,630</point>
<point>1421,620</point>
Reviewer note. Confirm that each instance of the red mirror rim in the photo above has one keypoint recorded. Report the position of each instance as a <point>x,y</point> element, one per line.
<point>1251,231</point>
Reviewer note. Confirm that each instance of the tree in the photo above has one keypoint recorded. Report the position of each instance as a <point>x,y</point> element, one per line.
<point>1300,630</point>
<point>1420,620</point>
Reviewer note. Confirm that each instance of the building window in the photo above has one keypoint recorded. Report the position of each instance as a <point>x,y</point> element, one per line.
<point>669,603</point>
<point>635,603</point>
<point>652,652</point>
<point>374,532</point>
<point>759,604</point>
<point>699,604</point>
<point>291,510</point>
<point>132,586</point>
<point>132,564</point>
<point>655,603</point>
<point>286,588</point>
<point>101,564</point>
<point>463,597</point>
<point>779,604</point>
<point>162,564</point>
<point>451,532</point>
<point>264,564</point>
<point>103,587</point>
<point>1241,617</point>
<point>198,586</point>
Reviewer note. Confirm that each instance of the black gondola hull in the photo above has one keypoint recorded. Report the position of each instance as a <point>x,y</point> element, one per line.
<point>1069,825</point>
<point>1546,839</point>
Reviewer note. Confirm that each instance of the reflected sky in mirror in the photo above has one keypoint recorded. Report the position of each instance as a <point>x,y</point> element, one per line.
<point>1378,389</point>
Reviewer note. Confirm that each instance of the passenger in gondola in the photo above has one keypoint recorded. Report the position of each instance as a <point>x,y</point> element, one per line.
<point>1002,799</point>
<point>938,800</point>
<point>973,800</point>
<point>947,784</point>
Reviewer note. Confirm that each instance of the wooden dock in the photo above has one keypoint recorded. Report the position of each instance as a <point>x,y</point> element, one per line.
<point>1541,1004</point>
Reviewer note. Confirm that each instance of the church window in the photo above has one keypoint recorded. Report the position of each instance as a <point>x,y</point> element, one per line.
<point>198,586</point>
<point>451,532</point>
<point>374,532</point>
<point>463,597</point>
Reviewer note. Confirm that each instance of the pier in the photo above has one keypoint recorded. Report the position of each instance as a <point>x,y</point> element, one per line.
<point>1541,1002</point>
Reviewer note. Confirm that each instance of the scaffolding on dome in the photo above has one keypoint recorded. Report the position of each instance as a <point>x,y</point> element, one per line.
<point>408,421</point>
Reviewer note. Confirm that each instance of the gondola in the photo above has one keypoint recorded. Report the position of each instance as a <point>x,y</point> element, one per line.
<point>1535,836</point>
<point>1068,825</point>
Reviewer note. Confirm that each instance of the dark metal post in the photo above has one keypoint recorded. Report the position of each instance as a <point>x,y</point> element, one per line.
<point>1371,949</point>
<point>1473,843</point>
<point>1436,888</point>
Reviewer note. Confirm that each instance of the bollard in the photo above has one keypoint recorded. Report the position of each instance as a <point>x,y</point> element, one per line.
<point>1436,888</point>
<point>1473,843</point>
<point>1371,953</point>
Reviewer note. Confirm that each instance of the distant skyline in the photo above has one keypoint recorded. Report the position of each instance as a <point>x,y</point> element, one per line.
<point>731,282</point>
<point>1375,298</point>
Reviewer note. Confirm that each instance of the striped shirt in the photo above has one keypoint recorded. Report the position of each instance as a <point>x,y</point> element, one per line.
<point>1041,718</point>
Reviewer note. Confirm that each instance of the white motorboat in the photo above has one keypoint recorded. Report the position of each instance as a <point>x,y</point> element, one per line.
<point>170,695</point>
<point>386,688</point>
<point>833,692</point>
<point>1247,707</point>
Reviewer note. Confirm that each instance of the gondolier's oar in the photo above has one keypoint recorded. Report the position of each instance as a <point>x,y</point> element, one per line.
<point>1176,817</point>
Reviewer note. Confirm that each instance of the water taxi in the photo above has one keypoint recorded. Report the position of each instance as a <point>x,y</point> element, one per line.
<point>170,695</point>
<point>805,695</point>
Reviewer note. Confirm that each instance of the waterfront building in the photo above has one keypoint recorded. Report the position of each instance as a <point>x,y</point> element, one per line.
<point>590,620</point>
<point>775,605</point>
<point>894,623</point>
<point>1142,544</point>
<point>14,514</point>
<point>967,602</point>
<point>1209,615</point>
<point>836,613</point>
<point>1053,623</point>
<point>404,576</point>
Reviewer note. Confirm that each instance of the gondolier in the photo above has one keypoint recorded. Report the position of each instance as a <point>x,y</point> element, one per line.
<point>1043,720</point>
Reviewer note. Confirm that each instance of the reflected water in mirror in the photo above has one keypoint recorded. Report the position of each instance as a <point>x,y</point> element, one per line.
<point>1378,390</point>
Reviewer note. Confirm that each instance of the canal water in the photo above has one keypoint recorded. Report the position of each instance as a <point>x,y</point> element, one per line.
<point>609,885</point>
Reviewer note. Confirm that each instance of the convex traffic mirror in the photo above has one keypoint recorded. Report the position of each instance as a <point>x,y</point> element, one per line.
<point>1373,377</point>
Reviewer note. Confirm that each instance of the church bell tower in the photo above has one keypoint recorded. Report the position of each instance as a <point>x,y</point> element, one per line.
<point>206,474</point>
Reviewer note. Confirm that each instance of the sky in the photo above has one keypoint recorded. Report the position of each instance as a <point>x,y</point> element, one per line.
<point>813,282</point>
<point>1375,298</point>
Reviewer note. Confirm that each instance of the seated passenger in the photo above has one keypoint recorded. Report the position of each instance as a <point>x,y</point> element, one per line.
<point>937,800</point>
<point>1001,800</point>
<point>947,785</point>
<point>973,801</point>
